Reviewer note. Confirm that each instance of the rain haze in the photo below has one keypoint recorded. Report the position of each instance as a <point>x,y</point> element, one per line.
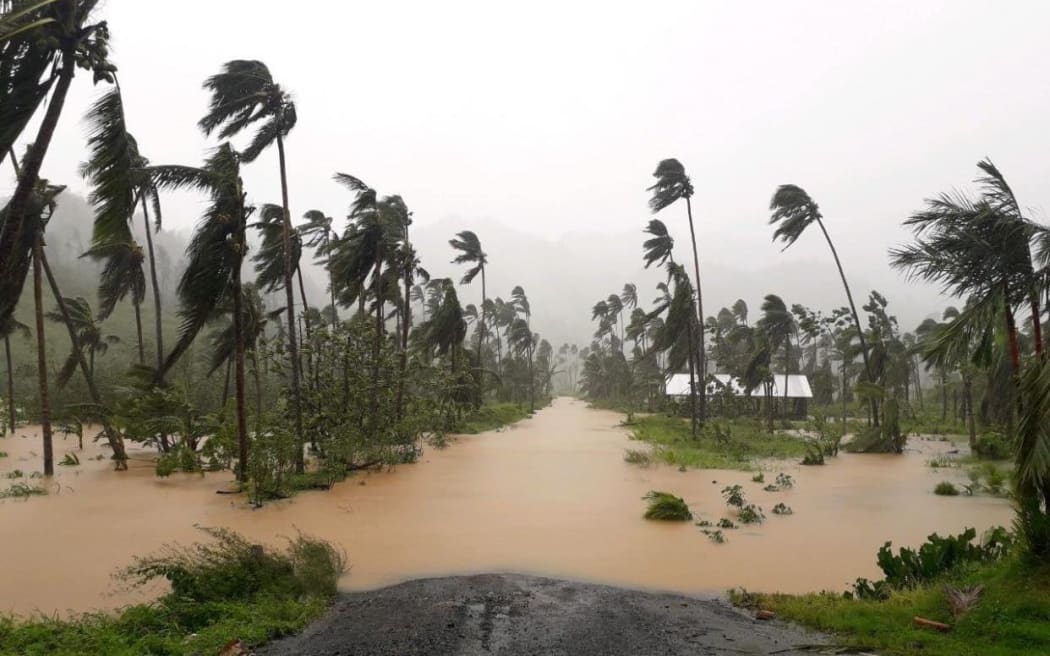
<point>539,125</point>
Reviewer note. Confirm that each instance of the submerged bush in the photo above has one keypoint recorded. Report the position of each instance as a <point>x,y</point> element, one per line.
<point>665,506</point>
<point>734,495</point>
<point>993,445</point>
<point>751,514</point>
<point>946,489</point>
<point>22,491</point>
<point>636,457</point>
<point>781,509</point>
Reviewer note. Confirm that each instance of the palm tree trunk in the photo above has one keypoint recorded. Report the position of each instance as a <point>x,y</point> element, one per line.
<point>289,296</point>
<point>13,264</point>
<point>968,403</point>
<point>158,327</point>
<point>692,378</point>
<point>405,325</point>
<point>41,357</point>
<point>116,442</point>
<point>91,362</point>
<point>138,332</point>
<point>944,396</point>
<point>378,341</point>
<point>10,384</point>
<point>1037,328</point>
<point>238,379</point>
<point>310,368</point>
<point>258,393</point>
<point>226,383</point>
<point>918,382</point>
<point>481,337</point>
<point>787,368</point>
<point>701,355</point>
<point>853,311</point>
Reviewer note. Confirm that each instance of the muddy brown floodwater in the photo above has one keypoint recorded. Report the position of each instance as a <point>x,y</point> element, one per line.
<point>550,496</point>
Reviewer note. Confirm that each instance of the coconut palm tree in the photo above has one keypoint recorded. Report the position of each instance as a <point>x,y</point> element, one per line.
<point>90,337</point>
<point>672,184</point>
<point>254,320</point>
<point>43,45</point>
<point>792,212</point>
<point>244,96</point>
<point>521,302</point>
<point>470,252</point>
<point>7,329</point>
<point>118,184</point>
<point>779,326</point>
<point>446,328</point>
<point>213,269</point>
<point>319,233</point>
<point>122,275</point>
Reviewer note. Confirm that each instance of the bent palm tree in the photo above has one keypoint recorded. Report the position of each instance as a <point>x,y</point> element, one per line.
<point>122,275</point>
<point>244,93</point>
<point>672,184</point>
<point>778,325</point>
<point>213,268</point>
<point>90,337</point>
<point>470,252</point>
<point>793,212</point>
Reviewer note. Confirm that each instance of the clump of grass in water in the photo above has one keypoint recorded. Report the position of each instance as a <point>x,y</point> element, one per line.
<point>781,509</point>
<point>717,537</point>
<point>726,523</point>
<point>636,457</point>
<point>751,514</point>
<point>946,489</point>
<point>70,460</point>
<point>15,473</point>
<point>22,491</point>
<point>758,478</point>
<point>665,506</point>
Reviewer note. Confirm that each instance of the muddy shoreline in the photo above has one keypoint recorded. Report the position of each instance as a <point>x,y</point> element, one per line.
<point>513,614</point>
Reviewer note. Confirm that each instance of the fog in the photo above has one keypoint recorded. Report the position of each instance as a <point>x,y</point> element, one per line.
<point>538,125</point>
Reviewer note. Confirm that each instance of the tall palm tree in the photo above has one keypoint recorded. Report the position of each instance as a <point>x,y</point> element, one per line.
<point>470,252</point>
<point>778,325</point>
<point>792,212</point>
<point>253,322</point>
<point>43,45</point>
<point>213,269</point>
<point>446,328</point>
<point>118,184</point>
<point>319,233</point>
<point>521,302</point>
<point>245,96</point>
<point>658,249</point>
<point>8,328</point>
<point>672,184</point>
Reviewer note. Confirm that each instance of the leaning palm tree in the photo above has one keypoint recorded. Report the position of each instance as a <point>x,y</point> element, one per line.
<point>122,276</point>
<point>319,233</point>
<point>243,94</point>
<point>213,268</point>
<point>43,46</point>
<point>7,329</point>
<point>118,184</point>
<point>470,252</point>
<point>90,337</point>
<point>253,332</point>
<point>672,185</point>
<point>521,302</point>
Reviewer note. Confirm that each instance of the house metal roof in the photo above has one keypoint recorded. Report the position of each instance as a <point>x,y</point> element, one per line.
<point>798,386</point>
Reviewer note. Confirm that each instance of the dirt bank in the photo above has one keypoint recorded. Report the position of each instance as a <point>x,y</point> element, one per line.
<point>518,615</point>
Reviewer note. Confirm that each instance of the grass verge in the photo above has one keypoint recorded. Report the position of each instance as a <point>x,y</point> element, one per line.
<point>490,417</point>
<point>223,590</point>
<point>736,444</point>
<point>1011,618</point>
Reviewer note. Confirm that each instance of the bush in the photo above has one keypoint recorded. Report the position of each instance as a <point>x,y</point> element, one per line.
<point>781,509</point>
<point>665,506</point>
<point>734,496</point>
<point>636,457</point>
<point>993,446</point>
<point>22,491</point>
<point>946,489</point>
<point>751,514</point>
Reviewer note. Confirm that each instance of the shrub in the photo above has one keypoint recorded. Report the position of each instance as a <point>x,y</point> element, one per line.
<point>726,523</point>
<point>734,495</point>
<point>22,491</point>
<point>785,481</point>
<point>665,506</point>
<point>70,460</point>
<point>15,473</point>
<point>993,445</point>
<point>758,478</point>
<point>715,536</point>
<point>946,489</point>
<point>751,514</point>
<point>636,457</point>
<point>781,509</point>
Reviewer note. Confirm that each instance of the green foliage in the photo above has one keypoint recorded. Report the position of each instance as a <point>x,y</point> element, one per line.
<point>782,509</point>
<point>750,514</point>
<point>993,446</point>
<point>721,445</point>
<point>490,417</point>
<point>69,460</point>
<point>734,496</point>
<point>22,491</point>
<point>726,523</point>
<point>716,536</point>
<point>910,568</point>
<point>760,477</point>
<point>785,481</point>
<point>666,506</point>
<point>946,489</point>
<point>225,589</point>
<point>637,457</point>
<point>1010,619</point>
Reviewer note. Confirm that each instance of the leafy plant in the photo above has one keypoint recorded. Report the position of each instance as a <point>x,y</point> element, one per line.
<point>22,491</point>
<point>781,509</point>
<point>636,457</point>
<point>734,496</point>
<point>716,536</point>
<point>726,523</point>
<point>751,514</point>
<point>946,489</point>
<point>758,478</point>
<point>785,481</point>
<point>665,506</point>
<point>70,460</point>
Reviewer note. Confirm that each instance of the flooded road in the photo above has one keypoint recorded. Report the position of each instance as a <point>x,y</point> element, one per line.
<point>550,496</point>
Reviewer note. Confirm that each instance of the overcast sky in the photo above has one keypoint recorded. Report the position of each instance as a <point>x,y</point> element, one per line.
<point>551,116</point>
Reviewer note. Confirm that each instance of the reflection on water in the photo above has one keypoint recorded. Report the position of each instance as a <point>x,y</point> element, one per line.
<point>550,496</point>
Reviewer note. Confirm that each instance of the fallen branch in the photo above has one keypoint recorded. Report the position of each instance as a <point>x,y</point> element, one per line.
<point>924,623</point>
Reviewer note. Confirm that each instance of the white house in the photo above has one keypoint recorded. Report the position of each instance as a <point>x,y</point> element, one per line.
<point>797,386</point>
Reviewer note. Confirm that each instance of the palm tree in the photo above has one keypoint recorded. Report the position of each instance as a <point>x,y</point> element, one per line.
<point>658,249</point>
<point>43,43</point>
<point>243,94</point>
<point>121,276</point>
<point>446,328</point>
<point>778,325</point>
<point>470,252</point>
<point>319,233</point>
<point>792,212</point>
<point>521,302</point>
<point>90,337</point>
<point>672,184</point>
<point>253,332</point>
<point>8,328</point>
<point>115,172</point>
<point>213,269</point>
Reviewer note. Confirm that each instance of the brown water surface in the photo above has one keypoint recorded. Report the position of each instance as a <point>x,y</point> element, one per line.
<point>551,495</point>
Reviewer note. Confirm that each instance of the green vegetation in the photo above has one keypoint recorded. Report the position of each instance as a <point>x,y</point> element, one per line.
<point>736,445</point>
<point>666,506</point>
<point>946,489</point>
<point>222,590</point>
<point>750,514</point>
<point>490,417</point>
<point>782,509</point>
<point>22,491</point>
<point>637,457</point>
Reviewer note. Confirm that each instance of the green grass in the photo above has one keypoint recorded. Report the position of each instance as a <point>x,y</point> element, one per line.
<point>721,445</point>
<point>1012,618</point>
<point>666,506</point>
<point>490,417</point>
<point>220,591</point>
<point>946,489</point>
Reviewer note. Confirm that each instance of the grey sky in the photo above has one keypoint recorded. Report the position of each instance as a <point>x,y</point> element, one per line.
<point>550,116</point>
